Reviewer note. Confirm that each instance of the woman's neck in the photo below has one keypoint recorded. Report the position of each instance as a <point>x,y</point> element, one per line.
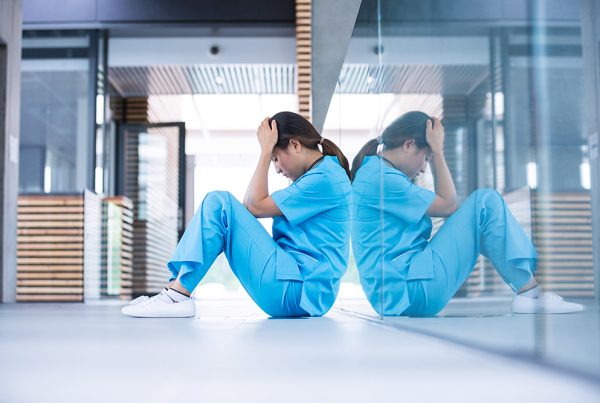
<point>312,158</point>
<point>393,158</point>
<point>390,156</point>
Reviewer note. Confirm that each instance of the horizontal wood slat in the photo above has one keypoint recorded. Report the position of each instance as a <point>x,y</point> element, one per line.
<point>51,276</point>
<point>70,296</point>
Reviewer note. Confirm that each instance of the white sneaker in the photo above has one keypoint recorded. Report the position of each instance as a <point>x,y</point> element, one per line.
<point>143,298</point>
<point>546,302</point>
<point>160,306</point>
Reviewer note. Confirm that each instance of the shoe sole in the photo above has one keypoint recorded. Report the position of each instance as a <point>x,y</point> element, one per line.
<point>156,315</point>
<point>542,312</point>
<point>160,316</point>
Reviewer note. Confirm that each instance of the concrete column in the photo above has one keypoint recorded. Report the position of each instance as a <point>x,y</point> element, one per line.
<point>332,25</point>
<point>10,89</point>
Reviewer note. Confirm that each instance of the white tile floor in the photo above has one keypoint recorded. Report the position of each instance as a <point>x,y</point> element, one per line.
<point>233,353</point>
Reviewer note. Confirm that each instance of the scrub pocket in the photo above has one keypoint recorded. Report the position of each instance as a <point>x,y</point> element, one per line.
<point>414,264</point>
<point>421,265</point>
<point>287,267</point>
<point>320,285</point>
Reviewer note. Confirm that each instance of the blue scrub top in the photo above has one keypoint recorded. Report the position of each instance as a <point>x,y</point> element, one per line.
<point>315,230</point>
<point>390,233</point>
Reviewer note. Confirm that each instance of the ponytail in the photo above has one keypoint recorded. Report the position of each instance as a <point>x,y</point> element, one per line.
<point>329,148</point>
<point>370,148</point>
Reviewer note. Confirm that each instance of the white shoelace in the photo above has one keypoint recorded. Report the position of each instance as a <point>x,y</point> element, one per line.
<point>145,298</point>
<point>551,295</point>
<point>158,296</point>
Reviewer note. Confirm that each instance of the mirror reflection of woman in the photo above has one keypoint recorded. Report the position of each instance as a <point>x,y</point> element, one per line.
<point>402,271</point>
<point>297,271</point>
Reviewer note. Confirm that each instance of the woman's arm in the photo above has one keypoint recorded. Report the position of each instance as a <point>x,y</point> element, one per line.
<point>257,199</point>
<point>445,202</point>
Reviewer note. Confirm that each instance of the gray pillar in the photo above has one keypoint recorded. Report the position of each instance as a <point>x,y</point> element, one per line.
<point>332,25</point>
<point>10,88</point>
<point>590,31</point>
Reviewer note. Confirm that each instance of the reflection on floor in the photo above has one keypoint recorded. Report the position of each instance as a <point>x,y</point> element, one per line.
<point>566,341</point>
<point>233,353</point>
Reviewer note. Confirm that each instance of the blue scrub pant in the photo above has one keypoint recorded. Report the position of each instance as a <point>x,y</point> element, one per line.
<point>223,224</point>
<point>482,224</point>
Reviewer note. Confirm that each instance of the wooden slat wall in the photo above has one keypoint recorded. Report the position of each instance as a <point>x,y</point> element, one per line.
<point>303,56</point>
<point>50,239</point>
<point>562,234</point>
<point>130,110</point>
<point>117,247</point>
<point>60,247</point>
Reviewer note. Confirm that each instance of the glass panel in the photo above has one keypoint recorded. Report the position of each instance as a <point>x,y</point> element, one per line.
<point>354,116</point>
<point>55,96</point>
<point>509,94</point>
<point>151,173</point>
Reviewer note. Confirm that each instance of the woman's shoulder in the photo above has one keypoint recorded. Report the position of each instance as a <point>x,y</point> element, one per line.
<point>328,176</point>
<point>375,176</point>
<point>372,166</point>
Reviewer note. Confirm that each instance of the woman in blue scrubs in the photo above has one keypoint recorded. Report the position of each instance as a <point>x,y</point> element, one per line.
<point>297,271</point>
<point>402,270</point>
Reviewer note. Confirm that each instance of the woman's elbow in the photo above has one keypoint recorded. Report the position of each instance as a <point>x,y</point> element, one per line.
<point>256,210</point>
<point>452,207</point>
<point>250,207</point>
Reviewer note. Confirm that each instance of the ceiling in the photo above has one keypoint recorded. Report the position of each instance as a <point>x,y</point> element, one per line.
<point>280,79</point>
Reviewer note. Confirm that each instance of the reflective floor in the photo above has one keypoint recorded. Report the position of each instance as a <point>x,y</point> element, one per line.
<point>570,342</point>
<point>233,352</point>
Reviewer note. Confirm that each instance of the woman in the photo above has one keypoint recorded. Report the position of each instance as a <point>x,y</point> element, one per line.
<point>297,271</point>
<point>401,270</point>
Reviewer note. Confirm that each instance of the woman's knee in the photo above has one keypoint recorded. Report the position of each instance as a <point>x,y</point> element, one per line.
<point>485,192</point>
<point>487,197</point>
<point>216,198</point>
<point>217,194</point>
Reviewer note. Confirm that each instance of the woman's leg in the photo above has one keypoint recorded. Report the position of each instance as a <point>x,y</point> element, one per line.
<point>223,224</point>
<point>482,224</point>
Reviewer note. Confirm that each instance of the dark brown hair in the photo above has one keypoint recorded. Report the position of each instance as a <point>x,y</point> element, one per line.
<point>290,126</point>
<point>410,126</point>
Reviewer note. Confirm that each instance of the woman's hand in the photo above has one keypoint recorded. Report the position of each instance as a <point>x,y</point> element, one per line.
<point>435,136</point>
<point>267,136</point>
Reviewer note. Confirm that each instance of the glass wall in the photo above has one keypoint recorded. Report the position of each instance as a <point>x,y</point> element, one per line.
<point>506,80</point>
<point>56,149</point>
